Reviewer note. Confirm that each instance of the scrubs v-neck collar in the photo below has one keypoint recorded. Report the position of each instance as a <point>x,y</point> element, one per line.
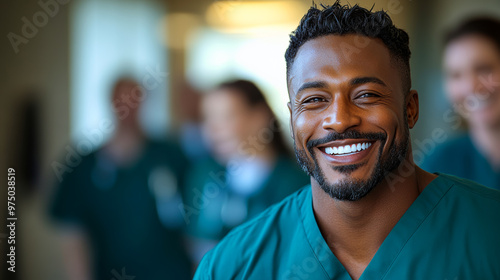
<point>394,243</point>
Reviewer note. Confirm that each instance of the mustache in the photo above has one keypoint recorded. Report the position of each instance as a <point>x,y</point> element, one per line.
<point>350,134</point>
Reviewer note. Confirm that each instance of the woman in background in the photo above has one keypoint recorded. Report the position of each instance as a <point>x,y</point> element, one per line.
<point>472,68</point>
<point>249,170</point>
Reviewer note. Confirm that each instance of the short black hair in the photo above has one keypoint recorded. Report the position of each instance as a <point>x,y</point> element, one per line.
<point>340,19</point>
<point>484,26</point>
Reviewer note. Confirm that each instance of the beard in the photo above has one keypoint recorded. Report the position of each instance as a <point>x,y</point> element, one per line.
<point>352,189</point>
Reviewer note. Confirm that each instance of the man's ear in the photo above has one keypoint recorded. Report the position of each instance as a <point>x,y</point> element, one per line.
<point>289,105</point>
<point>412,109</point>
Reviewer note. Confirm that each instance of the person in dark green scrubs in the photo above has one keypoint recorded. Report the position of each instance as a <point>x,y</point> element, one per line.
<point>472,71</point>
<point>369,212</point>
<point>117,208</point>
<point>461,157</point>
<point>249,169</point>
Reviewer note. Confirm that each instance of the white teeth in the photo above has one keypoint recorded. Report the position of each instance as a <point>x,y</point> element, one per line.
<point>347,149</point>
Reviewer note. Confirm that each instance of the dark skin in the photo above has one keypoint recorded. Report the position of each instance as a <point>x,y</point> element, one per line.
<point>335,86</point>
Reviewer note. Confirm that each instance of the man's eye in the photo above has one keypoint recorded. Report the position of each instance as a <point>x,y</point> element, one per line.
<point>367,94</point>
<point>314,100</point>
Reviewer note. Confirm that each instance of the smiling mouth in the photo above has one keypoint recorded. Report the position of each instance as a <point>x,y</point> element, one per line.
<point>345,149</point>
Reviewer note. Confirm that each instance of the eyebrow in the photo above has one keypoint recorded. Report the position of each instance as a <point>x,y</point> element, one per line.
<point>366,80</point>
<point>353,82</point>
<point>314,84</point>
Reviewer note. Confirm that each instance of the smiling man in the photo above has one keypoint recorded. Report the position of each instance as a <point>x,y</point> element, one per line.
<point>370,212</point>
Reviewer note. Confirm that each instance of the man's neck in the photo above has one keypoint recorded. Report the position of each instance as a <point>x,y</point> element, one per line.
<point>354,230</point>
<point>125,146</point>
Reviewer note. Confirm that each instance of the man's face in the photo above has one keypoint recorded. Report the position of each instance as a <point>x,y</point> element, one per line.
<point>348,113</point>
<point>472,67</point>
<point>126,94</point>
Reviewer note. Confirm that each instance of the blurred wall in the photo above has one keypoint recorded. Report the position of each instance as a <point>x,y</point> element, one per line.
<point>35,67</point>
<point>41,65</point>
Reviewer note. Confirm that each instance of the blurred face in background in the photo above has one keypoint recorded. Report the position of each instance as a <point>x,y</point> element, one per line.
<point>472,67</point>
<point>230,124</point>
<point>126,100</point>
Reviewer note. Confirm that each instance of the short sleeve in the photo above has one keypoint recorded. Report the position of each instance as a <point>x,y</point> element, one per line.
<point>67,205</point>
<point>203,270</point>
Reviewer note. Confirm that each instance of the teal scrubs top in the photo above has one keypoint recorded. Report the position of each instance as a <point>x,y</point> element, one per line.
<point>213,209</point>
<point>460,157</point>
<point>130,214</point>
<point>451,231</point>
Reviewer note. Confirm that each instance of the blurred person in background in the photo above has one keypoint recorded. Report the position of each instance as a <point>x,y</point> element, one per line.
<point>250,169</point>
<point>118,210</point>
<point>472,69</point>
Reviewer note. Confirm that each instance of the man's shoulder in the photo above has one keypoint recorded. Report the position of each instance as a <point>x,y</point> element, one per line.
<point>473,190</point>
<point>466,223</point>
<point>471,205</point>
<point>263,233</point>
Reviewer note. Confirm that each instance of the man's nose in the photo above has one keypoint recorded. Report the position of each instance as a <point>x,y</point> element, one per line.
<point>341,115</point>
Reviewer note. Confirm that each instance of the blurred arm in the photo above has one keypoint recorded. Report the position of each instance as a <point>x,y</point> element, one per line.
<point>76,254</point>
